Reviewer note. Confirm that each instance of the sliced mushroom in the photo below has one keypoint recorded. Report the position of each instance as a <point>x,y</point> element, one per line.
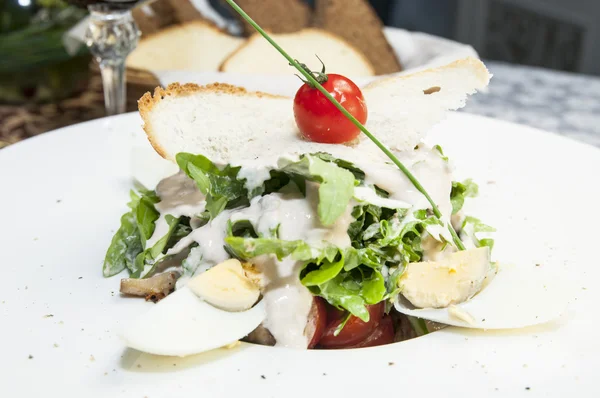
<point>153,289</point>
<point>260,335</point>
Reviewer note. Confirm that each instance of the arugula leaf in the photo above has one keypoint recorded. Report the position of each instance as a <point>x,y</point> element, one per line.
<point>365,256</point>
<point>146,216</point>
<point>478,226</point>
<point>247,248</point>
<point>326,271</point>
<point>343,295</point>
<point>146,261</point>
<point>472,226</point>
<point>125,245</point>
<point>344,164</point>
<point>441,151</point>
<point>460,191</point>
<point>221,186</point>
<point>373,288</point>
<point>182,230</point>
<point>336,188</point>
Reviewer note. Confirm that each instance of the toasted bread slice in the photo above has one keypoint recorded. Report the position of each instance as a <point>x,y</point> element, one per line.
<point>197,46</point>
<point>277,16</point>
<point>154,16</point>
<point>257,56</point>
<point>185,10</point>
<point>230,125</point>
<point>358,23</point>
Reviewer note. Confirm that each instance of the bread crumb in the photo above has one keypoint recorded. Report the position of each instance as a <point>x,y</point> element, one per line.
<point>92,359</point>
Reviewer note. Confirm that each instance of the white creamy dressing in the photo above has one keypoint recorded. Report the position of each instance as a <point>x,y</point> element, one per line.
<point>295,217</point>
<point>368,195</point>
<point>179,196</point>
<point>255,176</point>
<point>428,167</point>
<point>210,250</point>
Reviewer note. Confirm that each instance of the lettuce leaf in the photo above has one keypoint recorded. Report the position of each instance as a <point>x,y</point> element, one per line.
<point>126,244</point>
<point>344,164</point>
<point>146,261</point>
<point>146,215</point>
<point>472,226</point>
<point>221,186</point>
<point>336,185</point>
<point>247,248</point>
<point>460,191</point>
<point>352,291</point>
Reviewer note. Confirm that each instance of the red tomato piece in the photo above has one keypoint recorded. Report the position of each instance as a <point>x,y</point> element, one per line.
<point>317,320</point>
<point>383,334</point>
<point>320,121</point>
<point>354,331</point>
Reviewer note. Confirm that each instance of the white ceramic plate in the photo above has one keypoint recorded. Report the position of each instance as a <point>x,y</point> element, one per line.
<point>61,195</point>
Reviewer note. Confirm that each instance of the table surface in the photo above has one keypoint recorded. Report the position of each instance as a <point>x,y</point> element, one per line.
<point>563,103</point>
<point>559,102</point>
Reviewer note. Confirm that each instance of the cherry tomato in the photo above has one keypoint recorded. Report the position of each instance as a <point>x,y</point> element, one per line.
<point>354,331</point>
<point>382,334</point>
<point>320,121</point>
<point>317,320</point>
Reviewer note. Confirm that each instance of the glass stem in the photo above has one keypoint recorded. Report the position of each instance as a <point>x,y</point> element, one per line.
<point>111,36</point>
<point>115,90</point>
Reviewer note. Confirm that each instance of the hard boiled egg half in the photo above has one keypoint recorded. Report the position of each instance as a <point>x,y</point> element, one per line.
<point>458,290</point>
<point>215,309</point>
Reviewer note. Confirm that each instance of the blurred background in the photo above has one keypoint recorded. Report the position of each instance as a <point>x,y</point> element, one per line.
<point>49,79</point>
<point>556,34</point>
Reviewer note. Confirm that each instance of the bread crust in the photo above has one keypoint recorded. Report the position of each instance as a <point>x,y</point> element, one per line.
<point>357,22</point>
<point>479,67</point>
<point>149,100</point>
<point>333,36</point>
<point>200,22</point>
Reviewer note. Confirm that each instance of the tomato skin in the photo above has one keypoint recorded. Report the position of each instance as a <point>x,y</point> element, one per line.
<point>317,320</point>
<point>320,121</point>
<point>354,331</point>
<point>383,334</point>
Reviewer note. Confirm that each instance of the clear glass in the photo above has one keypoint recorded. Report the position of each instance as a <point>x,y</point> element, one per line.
<point>111,35</point>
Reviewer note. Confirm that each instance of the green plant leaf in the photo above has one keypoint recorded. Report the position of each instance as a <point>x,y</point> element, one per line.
<point>125,246</point>
<point>336,185</point>
<point>460,191</point>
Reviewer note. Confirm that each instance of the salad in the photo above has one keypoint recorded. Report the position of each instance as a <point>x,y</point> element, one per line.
<point>327,242</point>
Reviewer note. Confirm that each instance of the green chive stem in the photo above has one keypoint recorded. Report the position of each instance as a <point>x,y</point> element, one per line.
<point>358,124</point>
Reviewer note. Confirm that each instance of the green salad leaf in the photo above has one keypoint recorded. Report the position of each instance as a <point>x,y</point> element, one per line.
<point>344,164</point>
<point>336,185</point>
<point>353,290</point>
<point>460,191</point>
<point>126,244</point>
<point>146,215</point>
<point>473,226</point>
<point>326,271</point>
<point>146,261</point>
<point>221,186</point>
<point>127,249</point>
